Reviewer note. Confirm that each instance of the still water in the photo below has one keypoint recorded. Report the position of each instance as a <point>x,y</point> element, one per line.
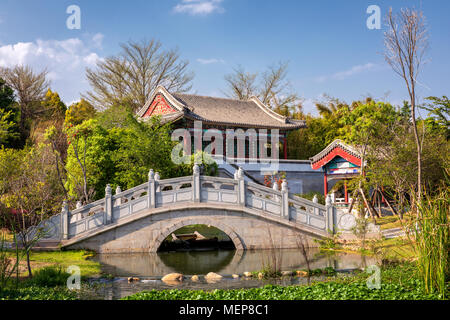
<point>150,267</point>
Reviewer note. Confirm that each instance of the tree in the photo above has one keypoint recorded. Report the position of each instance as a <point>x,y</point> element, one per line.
<point>30,190</point>
<point>78,112</point>
<point>8,116</point>
<point>272,88</point>
<point>30,88</point>
<point>406,42</point>
<point>53,106</point>
<point>439,114</point>
<point>134,74</point>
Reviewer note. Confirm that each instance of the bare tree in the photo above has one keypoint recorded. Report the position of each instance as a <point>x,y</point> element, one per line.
<point>273,89</point>
<point>133,75</point>
<point>406,42</point>
<point>30,88</point>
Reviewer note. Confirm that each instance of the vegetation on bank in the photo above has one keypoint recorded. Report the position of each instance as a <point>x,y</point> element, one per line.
<point>62,259</point>
<point>398,282</point>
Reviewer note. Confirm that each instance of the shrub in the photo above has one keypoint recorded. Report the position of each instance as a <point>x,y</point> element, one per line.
<point>49,277</point>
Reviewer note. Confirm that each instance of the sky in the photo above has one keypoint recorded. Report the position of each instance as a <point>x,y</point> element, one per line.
<point>328,45</point>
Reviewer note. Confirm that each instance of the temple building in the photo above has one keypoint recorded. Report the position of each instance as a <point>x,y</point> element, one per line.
<point>187,111</point>
<point>339,161</point>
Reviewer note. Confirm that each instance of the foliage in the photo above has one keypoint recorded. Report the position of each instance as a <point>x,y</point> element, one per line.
<point>360,230</point>
<point>39,293</point>
<point>121,156</point>
<point>439,114</point>
<point>396,284</point>
<point>52,105</point>
<point>9,116</point>
<point>51,276</point>
<point>30,192</point>
<point>79,112</point>
<point>433,241</point>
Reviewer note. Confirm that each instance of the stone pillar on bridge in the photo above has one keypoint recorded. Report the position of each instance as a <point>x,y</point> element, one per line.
<point>285,200</point>
<point>316,200</point>
<point>241,186</point>
<point>65,221</point>
<point>151,193</point>
<point>196,183</point>
<point>331,213</point>
<point>108,205</point>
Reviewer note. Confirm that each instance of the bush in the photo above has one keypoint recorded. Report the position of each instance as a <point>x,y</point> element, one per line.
<point>49,277</point>
<point>310,196</point>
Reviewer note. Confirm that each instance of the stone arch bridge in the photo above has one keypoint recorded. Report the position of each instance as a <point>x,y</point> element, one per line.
<point>139,219</point>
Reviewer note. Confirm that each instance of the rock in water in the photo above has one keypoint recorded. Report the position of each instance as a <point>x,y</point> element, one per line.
<point>213,276</point>
<point>194,278</point>
<point>302,273</point>
<point>260,275</point>
<point>171,277</point>
<point>286,273</point>
<point>247,274</point>
<point>131,279</point>
<point>235,276</point>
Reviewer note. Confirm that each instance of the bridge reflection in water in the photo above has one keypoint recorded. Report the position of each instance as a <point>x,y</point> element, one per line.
<point>225,262</point>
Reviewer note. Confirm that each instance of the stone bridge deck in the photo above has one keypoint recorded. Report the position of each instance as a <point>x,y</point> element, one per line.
<point>139,219</point>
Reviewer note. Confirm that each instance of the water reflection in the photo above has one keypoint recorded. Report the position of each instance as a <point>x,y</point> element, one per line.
<point>221,261</point>
<point>149,267</point>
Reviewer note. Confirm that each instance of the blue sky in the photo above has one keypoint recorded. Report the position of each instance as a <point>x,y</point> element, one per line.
<point>327,43</point>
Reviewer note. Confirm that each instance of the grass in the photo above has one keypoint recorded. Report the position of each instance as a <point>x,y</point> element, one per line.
<point>398,282</point>
<point>80,258</point>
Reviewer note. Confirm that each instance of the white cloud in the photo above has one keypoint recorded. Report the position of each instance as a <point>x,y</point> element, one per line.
<point>199,7</point>
<point>348,73</point>
<point>210,61</point>
<point>65,60</point>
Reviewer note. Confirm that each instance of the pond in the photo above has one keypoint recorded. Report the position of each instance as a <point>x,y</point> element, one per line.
<point>150,267</point>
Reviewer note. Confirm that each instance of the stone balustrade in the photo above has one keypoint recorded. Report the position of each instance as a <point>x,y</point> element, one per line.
<point>156,193</point>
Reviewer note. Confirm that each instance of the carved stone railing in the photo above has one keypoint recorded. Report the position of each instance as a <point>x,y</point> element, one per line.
<point>158,193</point>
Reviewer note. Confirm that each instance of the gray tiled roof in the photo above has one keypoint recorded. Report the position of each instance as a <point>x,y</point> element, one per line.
<point>234,112</point>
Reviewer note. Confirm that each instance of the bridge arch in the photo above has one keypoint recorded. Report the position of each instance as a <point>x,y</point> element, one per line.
<point>237,241</point>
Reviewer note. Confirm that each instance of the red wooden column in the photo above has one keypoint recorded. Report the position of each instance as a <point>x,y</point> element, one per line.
<point>325,184</point>
<point>346,191</point>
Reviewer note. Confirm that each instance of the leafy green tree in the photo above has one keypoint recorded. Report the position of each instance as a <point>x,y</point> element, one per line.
<point>30,189</point>
<point>79,112</point>
<point>52,105</point>
<point>121,156</point>
<point>439,114</point>
<point>9,130</point>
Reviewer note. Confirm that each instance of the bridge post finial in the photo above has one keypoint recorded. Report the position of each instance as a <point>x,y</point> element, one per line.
<point>196,169</point>
<point>275,188</point>
<point>285,200</point>
<point>65,220</point>
<point>316,200</point>
<point>118,200</point>
<point>108,205</point>
<point>78,205</point>
<point>151,174</point>
<point>151,187</point>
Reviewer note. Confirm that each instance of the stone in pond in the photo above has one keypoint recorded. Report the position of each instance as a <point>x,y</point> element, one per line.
<point>171,277</point>
<point>213,277</point>
<point>194,278</point>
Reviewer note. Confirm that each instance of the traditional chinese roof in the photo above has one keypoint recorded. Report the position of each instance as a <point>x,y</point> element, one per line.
<point>216,111</point>
<point>335,149</point>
